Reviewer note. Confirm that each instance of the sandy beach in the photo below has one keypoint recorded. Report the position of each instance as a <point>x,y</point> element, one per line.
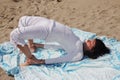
<point>98,16</point>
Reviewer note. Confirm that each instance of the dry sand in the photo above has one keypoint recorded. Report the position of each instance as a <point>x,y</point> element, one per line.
<point>98,16</point>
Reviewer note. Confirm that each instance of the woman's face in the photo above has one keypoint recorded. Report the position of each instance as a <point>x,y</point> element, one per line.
<point>90,44</point>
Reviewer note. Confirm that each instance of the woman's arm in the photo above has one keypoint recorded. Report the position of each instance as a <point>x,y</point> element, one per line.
<point>47,46</point>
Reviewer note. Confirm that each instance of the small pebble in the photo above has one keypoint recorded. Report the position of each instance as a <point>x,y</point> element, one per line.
<point>16,0</point>
<point>59,0</point>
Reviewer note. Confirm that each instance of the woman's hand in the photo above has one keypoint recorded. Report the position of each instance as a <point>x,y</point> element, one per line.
<point>41,61</point>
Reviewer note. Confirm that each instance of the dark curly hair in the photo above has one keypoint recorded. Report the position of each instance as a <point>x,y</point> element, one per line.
<point>99,50</point>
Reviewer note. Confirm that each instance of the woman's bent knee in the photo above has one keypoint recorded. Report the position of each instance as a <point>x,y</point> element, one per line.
<point>15,37</point>
<point>14,34</point>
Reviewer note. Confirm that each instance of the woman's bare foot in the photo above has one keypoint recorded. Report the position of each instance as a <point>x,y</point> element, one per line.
<point>28,61</point>
<point>38,61</point>
<point>32,61</point>
<point>25,64</point>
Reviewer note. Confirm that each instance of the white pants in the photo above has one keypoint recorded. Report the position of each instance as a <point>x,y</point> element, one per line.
<point>39,29</point>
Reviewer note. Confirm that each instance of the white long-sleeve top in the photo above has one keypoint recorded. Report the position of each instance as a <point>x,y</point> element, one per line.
<point>68,41</point>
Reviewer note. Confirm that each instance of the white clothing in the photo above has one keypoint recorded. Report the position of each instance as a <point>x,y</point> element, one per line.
<point>31,27</point>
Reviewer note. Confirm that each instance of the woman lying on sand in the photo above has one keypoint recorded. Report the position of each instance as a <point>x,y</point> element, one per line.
<point>32,27</point>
